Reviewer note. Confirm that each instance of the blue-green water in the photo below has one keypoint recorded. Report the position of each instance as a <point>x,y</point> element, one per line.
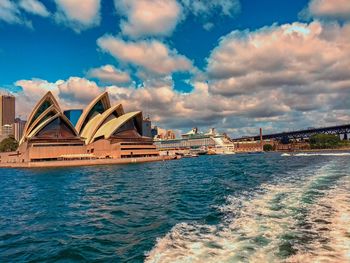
<point>235,208</point>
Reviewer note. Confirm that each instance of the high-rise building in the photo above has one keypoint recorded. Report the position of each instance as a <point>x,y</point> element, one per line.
<point>147,127</point>
<point>6,131</point>
<point>73,115</point>
<point>18,128</point>
<point>7,110</point>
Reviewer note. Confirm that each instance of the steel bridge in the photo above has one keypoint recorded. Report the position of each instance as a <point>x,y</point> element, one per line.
<point>303,134</point>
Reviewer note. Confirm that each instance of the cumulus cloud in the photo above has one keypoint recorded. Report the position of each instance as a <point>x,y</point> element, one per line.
<point>238,115</point>
<point>172,109</point>
<point>10,13</point>
<point>72,93</point>
<point>208,26</point>
<point>328,9</point>
<point>279,72</point>
<point>208,7</point>
<point>72,13</point>
<point>144,18</point>
<point>148,18</point>
<point>32,92</point>
<point>109,74</point>
<point>164,104</point>
<point>151,55</point>
<point>34,7</point>
<point>34,89</point>
<point>298,58</point>
<point>278,77</point>
<point>77,90</point>
<point>77,14</point>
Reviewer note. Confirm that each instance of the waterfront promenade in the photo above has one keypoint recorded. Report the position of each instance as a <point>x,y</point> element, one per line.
<point>72,163</point>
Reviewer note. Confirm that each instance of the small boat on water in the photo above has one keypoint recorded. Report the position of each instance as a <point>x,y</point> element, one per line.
<point>222,150</point>
<point>190,155</point>
<point>285,154</point>
<point>198,151</point>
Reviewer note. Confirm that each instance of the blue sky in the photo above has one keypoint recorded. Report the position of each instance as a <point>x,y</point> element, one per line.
<point>186,63</point>
<point>59,52</point>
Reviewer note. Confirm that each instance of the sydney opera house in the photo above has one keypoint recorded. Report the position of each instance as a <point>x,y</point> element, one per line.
<point>103,132</point>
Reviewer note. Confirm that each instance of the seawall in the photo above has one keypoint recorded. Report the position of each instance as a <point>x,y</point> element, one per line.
<point>47,164</point>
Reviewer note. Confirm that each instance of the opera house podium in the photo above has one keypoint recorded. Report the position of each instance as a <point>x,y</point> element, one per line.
<point>103,132</point>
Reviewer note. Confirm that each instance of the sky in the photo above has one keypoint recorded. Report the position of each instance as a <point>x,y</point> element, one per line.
<point>236,65</point>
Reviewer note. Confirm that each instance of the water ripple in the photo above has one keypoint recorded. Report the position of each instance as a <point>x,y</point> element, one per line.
<point>242,208</point>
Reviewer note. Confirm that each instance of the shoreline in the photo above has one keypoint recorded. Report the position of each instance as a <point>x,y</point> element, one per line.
<point>75,163</point>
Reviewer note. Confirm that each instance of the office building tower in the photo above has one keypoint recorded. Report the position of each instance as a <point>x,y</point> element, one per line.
<point>18,128</point>
<point>146,127</point>
<point>7,110</point>
<point>6,131</point>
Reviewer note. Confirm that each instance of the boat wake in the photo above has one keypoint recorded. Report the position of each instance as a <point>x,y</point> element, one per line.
<point>298,220</point>
<point>315,154</point>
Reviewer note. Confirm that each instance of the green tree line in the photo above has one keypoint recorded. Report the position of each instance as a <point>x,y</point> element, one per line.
<point>8,145</point>
<point>326,141</point>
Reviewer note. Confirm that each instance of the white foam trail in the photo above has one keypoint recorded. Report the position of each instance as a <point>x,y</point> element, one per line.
<point>254,227</point>
<point>334,228</point>
<point>285,154</point>
<point>315,154</point>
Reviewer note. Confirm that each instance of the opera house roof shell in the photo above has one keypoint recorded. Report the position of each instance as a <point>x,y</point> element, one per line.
<point>99,120</point>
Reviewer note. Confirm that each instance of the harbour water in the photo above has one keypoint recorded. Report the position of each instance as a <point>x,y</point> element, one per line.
<point>234,208</point>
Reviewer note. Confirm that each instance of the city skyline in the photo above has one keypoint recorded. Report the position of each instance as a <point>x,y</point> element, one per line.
<point>234,65</point>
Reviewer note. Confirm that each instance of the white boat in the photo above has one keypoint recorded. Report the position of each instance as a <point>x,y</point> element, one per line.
<point>190,155</point>
<point>285,154</point>
<point>225,150</point>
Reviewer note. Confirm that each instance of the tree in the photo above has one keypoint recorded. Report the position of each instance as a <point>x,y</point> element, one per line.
<point>324,141</point>
<point>267,147</point>
<point>8,145</point>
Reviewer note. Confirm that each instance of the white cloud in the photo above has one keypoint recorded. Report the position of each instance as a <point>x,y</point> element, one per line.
<point>209,7</point>
<point>293,74</point>
<point>77,89</point>
<point>278,77</point>
<point>34,89</point>
<point>275,109</point>
<point>205,10</point>
<point>329,9</point>
<point>32,92</point>
<point>160,17</point>
<point>109,74</point>
<point>151,55</point>
<point>72,93</point>
<point>73,13</point>
<point>298,58</point>
<point>78,14</point>
<point>34,7</point>
<point>208,26</point>
<point>148,18</point>
<point>10,13</point>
